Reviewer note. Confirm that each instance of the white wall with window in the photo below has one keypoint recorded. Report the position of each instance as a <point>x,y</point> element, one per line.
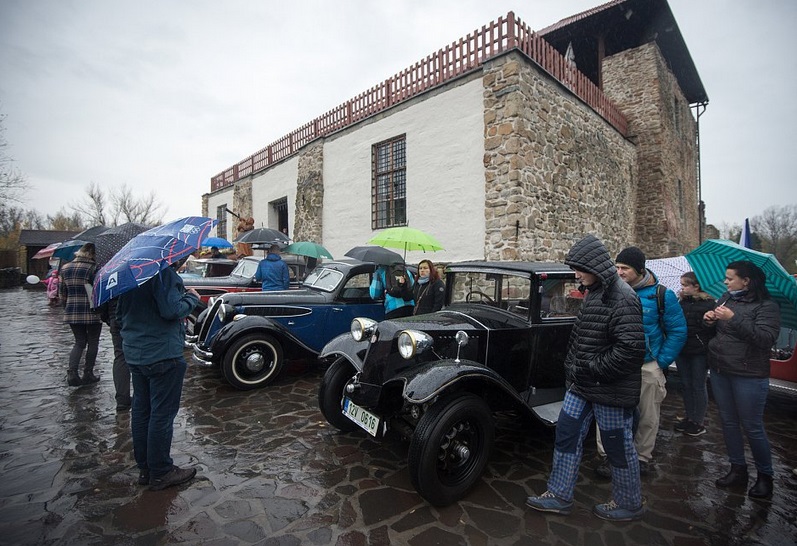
<point>277,184</point>
<point>216,200</point>
<point>444,174</point>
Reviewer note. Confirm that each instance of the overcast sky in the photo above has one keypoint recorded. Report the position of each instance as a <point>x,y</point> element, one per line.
<point>162,95</point>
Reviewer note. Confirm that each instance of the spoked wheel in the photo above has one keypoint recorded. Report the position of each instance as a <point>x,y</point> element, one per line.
<point>253,361</point>
<point>450,448</point>
<point>330,394</point>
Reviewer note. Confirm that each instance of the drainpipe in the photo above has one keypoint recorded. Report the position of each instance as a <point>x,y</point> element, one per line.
<point>700,108</point>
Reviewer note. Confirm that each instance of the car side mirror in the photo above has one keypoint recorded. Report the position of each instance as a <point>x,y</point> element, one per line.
<point>462,339</point>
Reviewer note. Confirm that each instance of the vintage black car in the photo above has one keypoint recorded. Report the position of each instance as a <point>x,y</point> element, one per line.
<point>498,344</point>
<point>249,335</point>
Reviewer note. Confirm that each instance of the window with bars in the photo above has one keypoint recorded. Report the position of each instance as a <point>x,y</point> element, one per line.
<point>221,216</point>
<point>389,183</point>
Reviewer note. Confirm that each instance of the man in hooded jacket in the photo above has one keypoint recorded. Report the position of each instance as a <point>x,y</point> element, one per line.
<point>603,377</point>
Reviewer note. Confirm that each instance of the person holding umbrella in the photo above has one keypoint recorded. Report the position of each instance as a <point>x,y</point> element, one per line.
<point>396,286</point>
<point>747,323</point>
<point>84,323</point>
<point>152,329</point>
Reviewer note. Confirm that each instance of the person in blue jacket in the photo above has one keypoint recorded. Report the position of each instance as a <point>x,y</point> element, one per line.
<point>153,332</point>
<point>665,336</point>
<point>395,285</point>
<point>273,271</point>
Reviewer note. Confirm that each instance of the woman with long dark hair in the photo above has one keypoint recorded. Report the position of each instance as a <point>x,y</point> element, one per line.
<point>747,324</point>
<point>429,291</point>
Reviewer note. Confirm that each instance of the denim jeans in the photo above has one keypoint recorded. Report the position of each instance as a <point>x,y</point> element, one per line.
<point>156,398</point>
<point>692,372</point>
<point>121,372</point>
<point>741,402</point>
<point>87,336</point>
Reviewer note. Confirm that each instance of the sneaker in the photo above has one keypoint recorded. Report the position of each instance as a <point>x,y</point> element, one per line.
<point>603,469</point>
<point>693,429</point>
<point>548,502</point>
<point>175,476</point>
<point>681,425</point>
<point>611,511</point>
<point>143,477</point>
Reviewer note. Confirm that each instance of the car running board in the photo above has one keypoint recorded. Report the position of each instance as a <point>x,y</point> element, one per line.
<point>545,403</point>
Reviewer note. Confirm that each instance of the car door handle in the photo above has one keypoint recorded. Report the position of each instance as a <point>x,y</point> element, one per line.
<point>338,309</point>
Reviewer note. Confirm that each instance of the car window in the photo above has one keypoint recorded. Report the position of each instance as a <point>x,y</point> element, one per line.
<point>509,292</point>
<point>560,298</point>
<point>357,288</point>
<point>323,278</point>
<point>246,268</point>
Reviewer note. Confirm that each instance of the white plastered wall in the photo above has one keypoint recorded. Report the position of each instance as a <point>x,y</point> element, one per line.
<point>445,175</point>
<point>275,183</point>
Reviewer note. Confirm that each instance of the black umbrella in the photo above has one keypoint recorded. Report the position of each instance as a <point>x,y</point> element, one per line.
<point>263,236</point>
<point>90,235</point>
<point>111,241</point>
<point>376,254</point>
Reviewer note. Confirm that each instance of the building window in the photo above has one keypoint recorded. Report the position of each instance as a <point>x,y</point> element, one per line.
<point>389,183</point>
<point>221,216</point>
<point>280,207</point>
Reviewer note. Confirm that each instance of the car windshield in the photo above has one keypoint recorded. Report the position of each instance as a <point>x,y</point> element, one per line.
<point>245,268</point>
<point>323,278</point>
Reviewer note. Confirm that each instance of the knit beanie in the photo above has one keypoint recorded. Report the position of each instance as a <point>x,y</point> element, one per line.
<point>633,257</point>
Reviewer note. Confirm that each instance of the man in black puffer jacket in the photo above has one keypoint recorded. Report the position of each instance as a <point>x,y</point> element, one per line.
<point>603,371</point>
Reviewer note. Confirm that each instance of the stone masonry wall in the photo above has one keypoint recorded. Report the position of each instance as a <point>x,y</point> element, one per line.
<point>554,169</point>
<point>663,127</point>
<point>308,225</point>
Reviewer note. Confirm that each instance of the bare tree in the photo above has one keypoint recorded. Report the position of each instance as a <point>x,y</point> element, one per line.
<point>92,207</point>
<point>13,183</point>
<point>118,206</point>
<point>63,221</point>
<point>777,229</point>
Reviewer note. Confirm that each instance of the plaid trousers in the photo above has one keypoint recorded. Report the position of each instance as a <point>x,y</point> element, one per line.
<point>615,424</point>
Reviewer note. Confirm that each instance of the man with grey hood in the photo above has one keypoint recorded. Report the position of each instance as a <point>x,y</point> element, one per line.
<point>603,376</point>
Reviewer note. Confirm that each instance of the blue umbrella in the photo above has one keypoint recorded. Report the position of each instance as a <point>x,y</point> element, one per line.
<point>218,242</point>
<point>66,250</point>
<point>148,253</point>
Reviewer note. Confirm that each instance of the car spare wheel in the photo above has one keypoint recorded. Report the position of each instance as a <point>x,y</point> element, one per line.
<point>450,448</point>
<point>253,361</point>
<point>331,391</point>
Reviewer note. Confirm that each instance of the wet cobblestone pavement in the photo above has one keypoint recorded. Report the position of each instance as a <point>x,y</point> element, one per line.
<point>272,472</point>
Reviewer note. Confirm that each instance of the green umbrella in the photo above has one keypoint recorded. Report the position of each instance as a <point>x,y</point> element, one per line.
<point>710,260</point>
<point>406,238</point>
<point>307,248</point>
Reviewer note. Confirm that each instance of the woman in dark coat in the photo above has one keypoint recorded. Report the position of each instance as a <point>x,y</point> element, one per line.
<point>83,321</point>
<point>747,321</point>
<point>429,291</point>
<point>692,360</point>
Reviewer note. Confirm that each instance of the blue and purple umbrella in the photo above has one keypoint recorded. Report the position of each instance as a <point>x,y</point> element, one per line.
<point>148,253</point>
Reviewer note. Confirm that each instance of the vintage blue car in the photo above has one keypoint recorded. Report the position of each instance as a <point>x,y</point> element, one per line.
<point>498,344</point>
<point>249,335</point>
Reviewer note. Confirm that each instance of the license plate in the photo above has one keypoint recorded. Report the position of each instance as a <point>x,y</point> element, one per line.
<point>363,418</point>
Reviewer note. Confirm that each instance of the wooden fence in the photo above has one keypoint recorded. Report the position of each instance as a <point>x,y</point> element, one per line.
<point>463,56</point>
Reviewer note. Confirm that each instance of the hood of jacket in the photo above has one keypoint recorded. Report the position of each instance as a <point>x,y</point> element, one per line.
<point>591,256</point>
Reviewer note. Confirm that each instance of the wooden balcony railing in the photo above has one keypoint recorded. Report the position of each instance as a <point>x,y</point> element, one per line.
<point>463,56</point>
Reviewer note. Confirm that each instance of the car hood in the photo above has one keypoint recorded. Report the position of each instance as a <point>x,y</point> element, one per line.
<point>306,296</point>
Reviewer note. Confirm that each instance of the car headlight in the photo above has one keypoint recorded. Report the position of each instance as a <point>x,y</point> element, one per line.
<point>412,342</point>
<point>226,311</point>
<point>362,328</point>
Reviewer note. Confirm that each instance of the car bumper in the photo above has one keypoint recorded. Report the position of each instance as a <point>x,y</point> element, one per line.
<point>200,356</point>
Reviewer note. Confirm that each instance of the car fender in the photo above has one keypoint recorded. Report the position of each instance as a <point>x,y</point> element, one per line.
<point>253,324</point>
<point>345,346</point>
<point>424,383</point>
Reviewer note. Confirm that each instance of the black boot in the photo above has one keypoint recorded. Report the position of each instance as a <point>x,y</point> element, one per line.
<point>89,377</point>
<point>762,488</point>
<point>737,477</point>
<point>73,379</point>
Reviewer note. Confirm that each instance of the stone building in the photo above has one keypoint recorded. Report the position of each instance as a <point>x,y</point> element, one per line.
<point>507,144</point>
